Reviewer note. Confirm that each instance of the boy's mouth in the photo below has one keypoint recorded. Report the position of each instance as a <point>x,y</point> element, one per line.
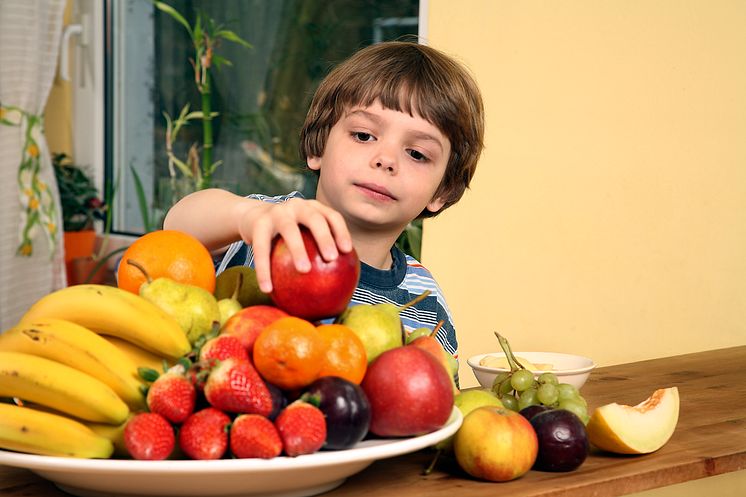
<point>375,191</point>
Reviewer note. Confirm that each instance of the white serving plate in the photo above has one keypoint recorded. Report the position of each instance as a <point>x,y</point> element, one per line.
<point>279,477</point>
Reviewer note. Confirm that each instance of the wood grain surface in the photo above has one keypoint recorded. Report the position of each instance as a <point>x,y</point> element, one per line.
<point>710,439</point>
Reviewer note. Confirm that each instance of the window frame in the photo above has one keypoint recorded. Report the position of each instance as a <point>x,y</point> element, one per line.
<point>93,140</point>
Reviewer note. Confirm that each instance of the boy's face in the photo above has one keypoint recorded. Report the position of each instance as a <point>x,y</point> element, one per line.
<point>381,167</point>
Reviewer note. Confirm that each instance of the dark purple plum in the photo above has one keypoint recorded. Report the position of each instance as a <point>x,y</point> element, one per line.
<point>345,407</point>
<point>563,440</point>
<point>279,400</point>
<point>531,411</point>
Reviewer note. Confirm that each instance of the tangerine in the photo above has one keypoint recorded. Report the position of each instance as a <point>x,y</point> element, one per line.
<point>167,253</point>
<point>344,354</point>
<point>289,352</point>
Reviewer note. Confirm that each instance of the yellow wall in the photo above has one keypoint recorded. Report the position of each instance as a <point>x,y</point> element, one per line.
<point>608,213</point>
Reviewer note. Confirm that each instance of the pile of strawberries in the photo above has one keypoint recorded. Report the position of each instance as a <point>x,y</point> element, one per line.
<point>220,406</point>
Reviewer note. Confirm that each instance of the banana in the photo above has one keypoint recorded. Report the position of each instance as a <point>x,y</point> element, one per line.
<point>113,433</point>
<point>138,355</point>
<point>66,389</point>
<point>112,311</point>
<point>80,348</point>
<point>27,430</point>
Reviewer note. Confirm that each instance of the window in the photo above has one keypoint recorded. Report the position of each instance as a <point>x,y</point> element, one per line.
<point>261,99</point>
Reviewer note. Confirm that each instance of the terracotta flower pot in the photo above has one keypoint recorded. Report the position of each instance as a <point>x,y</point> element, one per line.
<point>78,245</point>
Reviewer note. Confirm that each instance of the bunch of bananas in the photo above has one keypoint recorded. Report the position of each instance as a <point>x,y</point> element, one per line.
<point>72,361</point>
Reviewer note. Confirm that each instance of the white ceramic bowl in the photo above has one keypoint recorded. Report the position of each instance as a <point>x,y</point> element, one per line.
<point>569,368</point>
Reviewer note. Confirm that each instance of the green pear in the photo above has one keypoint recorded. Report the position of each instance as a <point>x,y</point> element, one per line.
<point>230,305</point>
<point>248,292</point>
<point>417,333</point>
<point>378,326</point>
<point>194,308</point>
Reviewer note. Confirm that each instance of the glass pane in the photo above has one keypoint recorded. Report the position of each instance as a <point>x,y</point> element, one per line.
<point>261,98</point>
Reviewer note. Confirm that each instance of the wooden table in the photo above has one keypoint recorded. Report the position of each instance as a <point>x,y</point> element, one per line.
<point>710,439</point>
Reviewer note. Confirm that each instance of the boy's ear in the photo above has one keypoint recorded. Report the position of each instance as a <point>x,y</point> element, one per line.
<point>314,163</point>
<point>435,204</point>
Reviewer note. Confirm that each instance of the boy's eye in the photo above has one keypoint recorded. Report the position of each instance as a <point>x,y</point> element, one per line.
<point>362,137</point>
<point>418,156</point>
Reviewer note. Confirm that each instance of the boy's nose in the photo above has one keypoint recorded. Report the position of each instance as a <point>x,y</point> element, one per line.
<point>385,162</point>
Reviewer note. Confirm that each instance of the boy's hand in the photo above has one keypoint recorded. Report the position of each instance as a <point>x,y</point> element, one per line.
<point>263,221</point>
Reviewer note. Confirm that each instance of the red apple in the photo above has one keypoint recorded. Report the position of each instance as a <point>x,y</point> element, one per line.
<point>495,444</point>
<point>410,392</point>
<point>247,323</point>
<point>324,291</point>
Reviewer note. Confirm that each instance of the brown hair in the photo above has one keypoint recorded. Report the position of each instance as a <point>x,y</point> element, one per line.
<point>407,77</point>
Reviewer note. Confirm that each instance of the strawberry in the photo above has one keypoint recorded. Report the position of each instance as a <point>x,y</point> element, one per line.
<point>235,386</point>
<point>302,428</point>
<point>149,436</point>
<point>204,434</point>
<point>197,375</point>
<point>222,347</point>
<point>172,395</point>
<point>253,435</point>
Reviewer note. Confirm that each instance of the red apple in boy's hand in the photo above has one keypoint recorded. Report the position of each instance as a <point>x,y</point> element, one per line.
<point>409,391</point>
<point>323,292</point>
<point>247,323</point>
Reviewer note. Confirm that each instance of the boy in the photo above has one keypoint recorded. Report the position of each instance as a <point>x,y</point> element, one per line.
<point>394,134</point>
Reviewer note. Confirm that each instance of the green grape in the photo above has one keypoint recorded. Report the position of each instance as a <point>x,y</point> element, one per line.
<point>527,398</point>
<point>505,387</point>
<point>547,394</point>
<point>549,378</point>
<point>499,379</point>
<point>567,391</point>
<point>575,407</point>
<point>522,380</point>
<point>509,402</point>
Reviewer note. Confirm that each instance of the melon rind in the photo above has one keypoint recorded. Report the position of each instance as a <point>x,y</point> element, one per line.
<point>639,429</point>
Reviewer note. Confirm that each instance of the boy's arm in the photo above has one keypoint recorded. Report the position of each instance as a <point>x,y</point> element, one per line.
<point>218,218</point>
<point>210,216</point>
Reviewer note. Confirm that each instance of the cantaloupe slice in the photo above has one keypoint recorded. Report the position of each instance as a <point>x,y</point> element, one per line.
<point>639,429</point>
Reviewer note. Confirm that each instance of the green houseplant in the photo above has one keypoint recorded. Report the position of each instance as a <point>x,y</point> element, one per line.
<point>206,36</point>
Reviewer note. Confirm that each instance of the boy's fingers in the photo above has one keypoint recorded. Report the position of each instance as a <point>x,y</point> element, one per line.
<point>324,240</point>
<point>339,229</point>
<point>261,246</point>
<point>294,243</point>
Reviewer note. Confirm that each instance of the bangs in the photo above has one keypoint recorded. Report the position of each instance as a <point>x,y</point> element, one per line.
<point>415,92</point>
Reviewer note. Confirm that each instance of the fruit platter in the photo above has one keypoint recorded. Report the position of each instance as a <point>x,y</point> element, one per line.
<point>185,383</point>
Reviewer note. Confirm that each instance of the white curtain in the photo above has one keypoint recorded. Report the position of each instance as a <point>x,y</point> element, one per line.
<point>31,258</point>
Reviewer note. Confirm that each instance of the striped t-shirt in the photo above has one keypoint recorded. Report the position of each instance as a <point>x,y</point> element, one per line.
<point>406,279</point>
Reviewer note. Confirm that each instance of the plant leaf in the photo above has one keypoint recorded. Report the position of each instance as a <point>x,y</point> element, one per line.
<point>141,200</point>
<point>229,35</point>
<point>182,167</point>
<point>164,7</point>
<point>219,60</point>
<point>213,166</point>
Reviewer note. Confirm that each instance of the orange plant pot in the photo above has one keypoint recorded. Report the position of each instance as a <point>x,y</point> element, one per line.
<point>78,245</point>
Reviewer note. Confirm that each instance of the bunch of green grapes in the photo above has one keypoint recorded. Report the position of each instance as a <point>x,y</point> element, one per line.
<point>519,389</point>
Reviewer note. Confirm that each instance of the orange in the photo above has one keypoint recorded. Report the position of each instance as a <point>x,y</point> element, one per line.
<point>167,253</point>
<point>289,352</point>
<point>344,353</point>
